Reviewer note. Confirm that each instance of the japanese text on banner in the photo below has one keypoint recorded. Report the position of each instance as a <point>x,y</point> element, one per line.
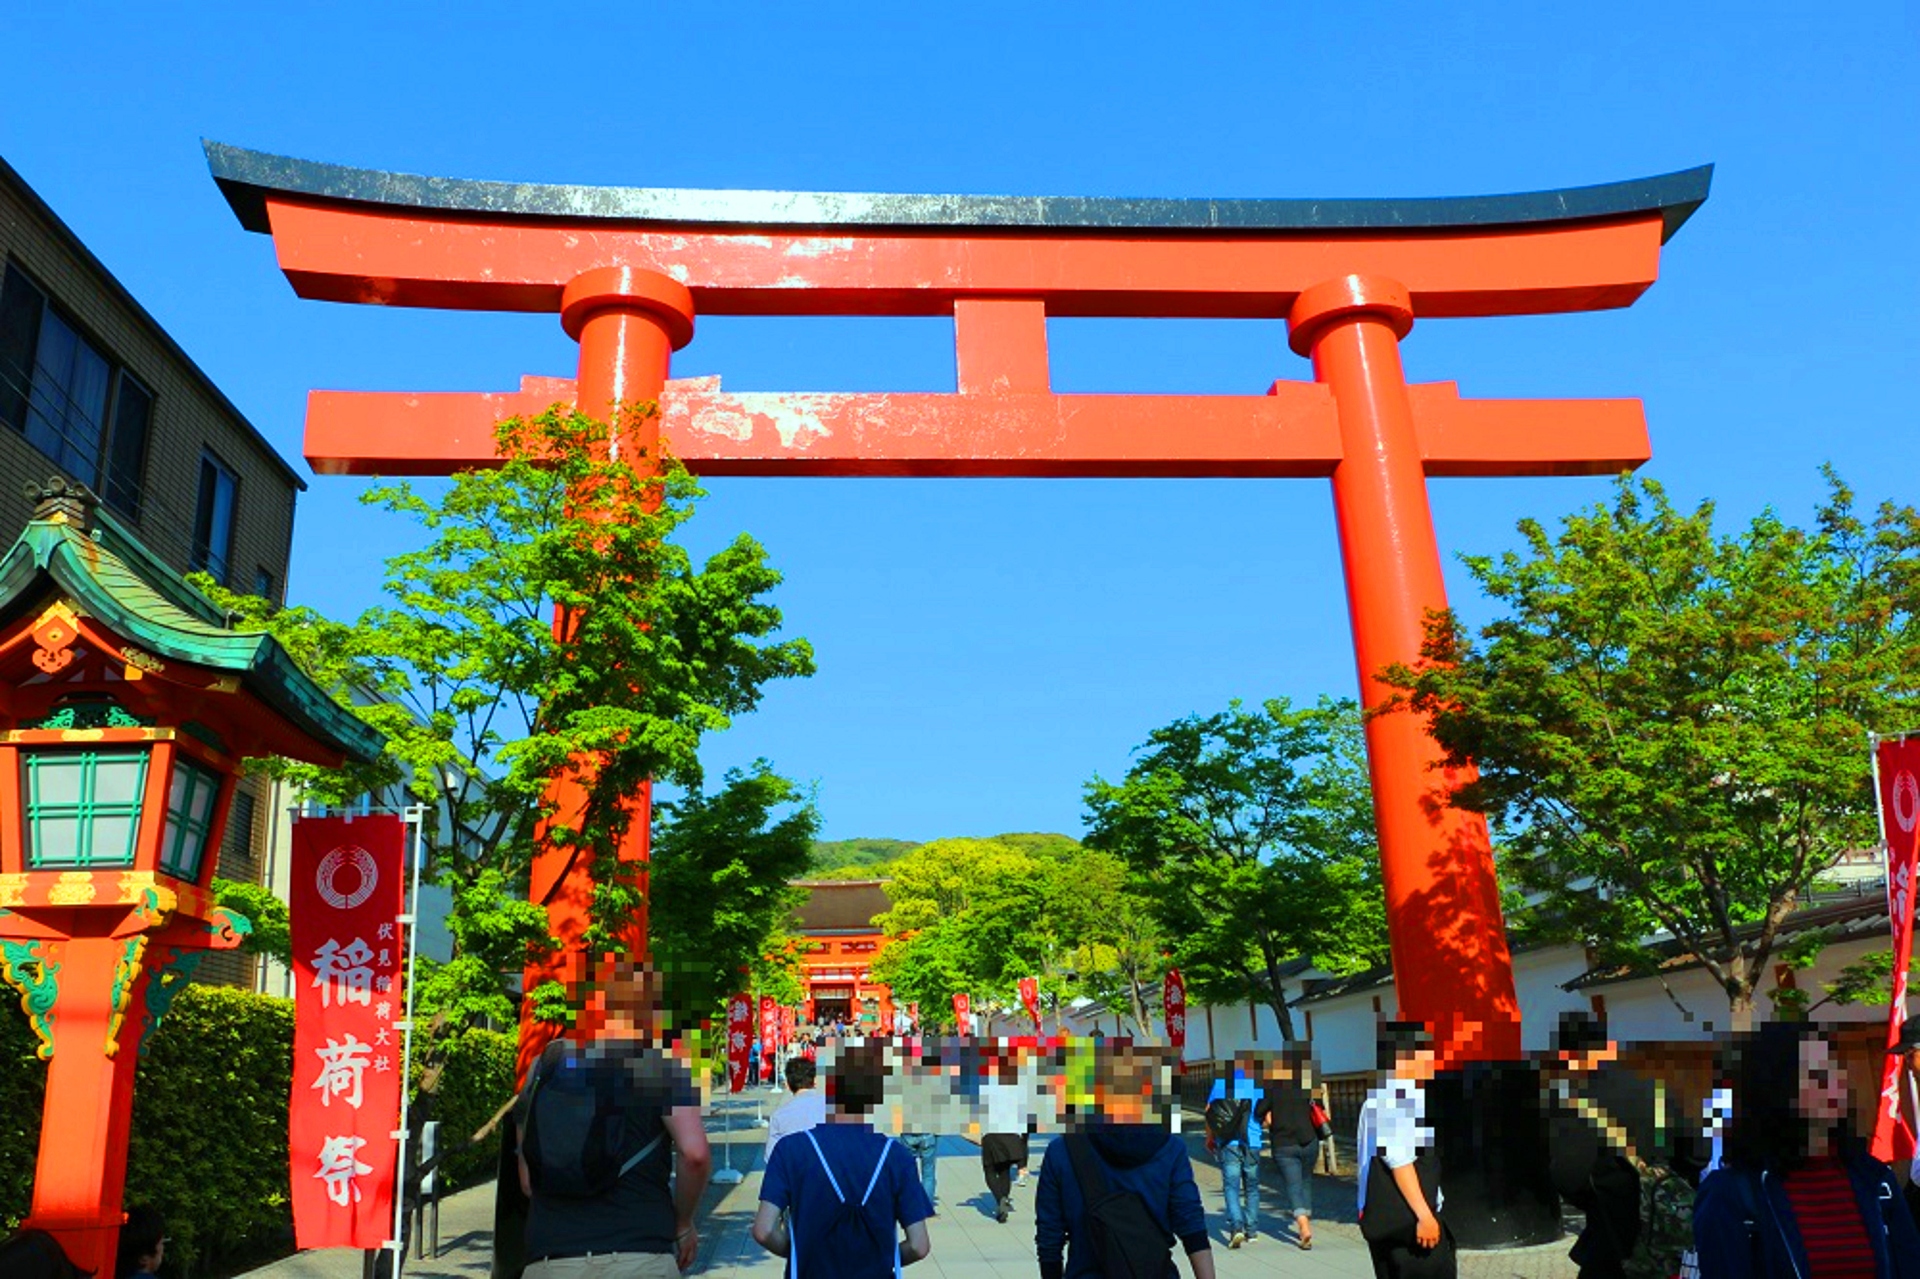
<point>346,898</point>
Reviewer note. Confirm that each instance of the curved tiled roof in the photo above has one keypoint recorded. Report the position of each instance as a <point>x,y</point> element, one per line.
<point>113,578</point>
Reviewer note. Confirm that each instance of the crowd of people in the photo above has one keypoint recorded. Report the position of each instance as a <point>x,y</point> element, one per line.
<point>1774,1182</point>
<point>1776,1186</point>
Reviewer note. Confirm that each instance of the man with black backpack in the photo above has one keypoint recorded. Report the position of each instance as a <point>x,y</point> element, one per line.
<point>1117,1190</point>
<point>835,1199</point>
<point>1234,1139</point>
<point>599,1127</point>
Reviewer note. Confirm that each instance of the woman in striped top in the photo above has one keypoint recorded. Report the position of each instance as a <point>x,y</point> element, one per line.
<point>1797,1197</point>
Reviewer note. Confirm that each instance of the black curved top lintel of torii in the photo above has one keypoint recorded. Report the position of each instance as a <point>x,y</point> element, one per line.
<point>248,178</point>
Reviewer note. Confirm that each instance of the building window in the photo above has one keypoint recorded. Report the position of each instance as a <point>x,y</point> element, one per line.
<point>263,584</point>
<point>213,518</point>
<point>87,414</point>
<point>83,807</point>
<point>183,843</point>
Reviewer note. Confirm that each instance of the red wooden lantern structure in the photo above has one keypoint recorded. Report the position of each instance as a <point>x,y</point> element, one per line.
<point>126,708</point>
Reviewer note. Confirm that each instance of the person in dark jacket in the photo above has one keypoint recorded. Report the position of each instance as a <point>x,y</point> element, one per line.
<point>1594,1130</point>
<point>1135,1155</point>
<point>1797,1197</point>
<point>1286,1110</point>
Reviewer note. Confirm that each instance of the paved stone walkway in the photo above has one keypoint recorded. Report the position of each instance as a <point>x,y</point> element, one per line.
<point>967,1242</point>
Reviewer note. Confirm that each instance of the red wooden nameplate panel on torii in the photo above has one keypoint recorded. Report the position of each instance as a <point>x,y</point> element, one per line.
<point>629,269</point>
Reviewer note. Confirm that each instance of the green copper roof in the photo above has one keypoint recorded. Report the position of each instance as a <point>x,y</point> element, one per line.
<point>115,579</point>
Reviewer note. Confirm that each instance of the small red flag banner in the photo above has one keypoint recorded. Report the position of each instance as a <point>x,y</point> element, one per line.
<point>769,1036</point>
<point>962,1009</point>
<point>1174,996</point>
<point>739,1033</point>
<point>1897,768</point>
<point>346,898</point>
<point>1030,998</point>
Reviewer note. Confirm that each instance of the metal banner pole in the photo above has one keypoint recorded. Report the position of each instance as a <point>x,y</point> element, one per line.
<point>415,817</point>
<point>728,1175</point>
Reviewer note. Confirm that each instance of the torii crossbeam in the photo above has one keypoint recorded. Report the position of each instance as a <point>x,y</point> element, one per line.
<point>628,270</point>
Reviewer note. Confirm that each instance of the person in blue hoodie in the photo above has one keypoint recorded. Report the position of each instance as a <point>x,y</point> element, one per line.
<point>1129,1154</point>
<point>1797,1197</point>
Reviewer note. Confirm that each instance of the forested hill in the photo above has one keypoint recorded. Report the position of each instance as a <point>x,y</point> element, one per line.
<point>855,858</point>
<point>871,858</point>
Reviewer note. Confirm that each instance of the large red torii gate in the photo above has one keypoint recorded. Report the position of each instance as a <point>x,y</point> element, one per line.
<point>628,269</point>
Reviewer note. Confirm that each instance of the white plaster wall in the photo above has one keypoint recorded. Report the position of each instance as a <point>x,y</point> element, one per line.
<point>1640,1010</point>
<point>1538,977</point>
<point>1344,1031</point>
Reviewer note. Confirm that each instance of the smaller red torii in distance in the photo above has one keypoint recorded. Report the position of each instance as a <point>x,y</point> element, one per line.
<point>627,270</point>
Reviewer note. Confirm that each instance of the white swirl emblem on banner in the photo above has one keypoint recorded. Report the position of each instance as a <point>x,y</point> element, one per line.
<point>1906,801</point>
<point>324,879</point>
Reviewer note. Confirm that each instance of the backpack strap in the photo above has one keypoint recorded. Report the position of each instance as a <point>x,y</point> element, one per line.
<point>826,1168</point>
<point>645,1150</point>
<point>886,1148</point>
<point>543,1067</point>
<point>1087,1169</point>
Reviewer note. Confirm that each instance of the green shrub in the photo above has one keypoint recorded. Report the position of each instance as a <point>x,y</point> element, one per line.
<point>209,1145</point>
<point>209,1141</point>
<point>23,1088</point>
<point>477,1082</point>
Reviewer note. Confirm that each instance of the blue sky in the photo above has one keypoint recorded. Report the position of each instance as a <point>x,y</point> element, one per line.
<point>986,646</point>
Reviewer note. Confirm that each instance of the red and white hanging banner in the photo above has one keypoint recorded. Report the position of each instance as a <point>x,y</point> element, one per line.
<point>1174,998</point>
<point>962,1013</point>
<point>347,893</point>
<point>1897,768</point>
<point>1030,999</point>
<point>769,1035</point>
<point>786,1025</point>
<point>739,1034</point>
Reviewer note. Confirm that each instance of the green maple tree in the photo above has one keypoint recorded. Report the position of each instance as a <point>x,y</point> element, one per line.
<point>486,702</point>
<point>1250,836</point>
<point>1670,722</point>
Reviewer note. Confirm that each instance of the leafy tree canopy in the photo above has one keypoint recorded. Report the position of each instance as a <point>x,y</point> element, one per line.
<point>721,899</point>
<point>1670,721</point>
<point>550,628</point>
<point>977,915</point>
<point>1250,834</point>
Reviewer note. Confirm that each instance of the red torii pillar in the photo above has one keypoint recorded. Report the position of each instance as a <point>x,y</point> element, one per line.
<point>626,268</point>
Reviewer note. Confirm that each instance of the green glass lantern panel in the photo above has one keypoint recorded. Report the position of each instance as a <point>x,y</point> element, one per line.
<point>83,807</point>
<point>190,800</point>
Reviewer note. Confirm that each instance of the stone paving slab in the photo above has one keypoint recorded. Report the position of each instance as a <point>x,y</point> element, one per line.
<point>967,1242</point>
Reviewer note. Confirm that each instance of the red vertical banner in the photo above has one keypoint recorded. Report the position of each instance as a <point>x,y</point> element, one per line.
<point>1174,998</point>
<point>962,1009</point>
<point>1897,768</point>
<point>769,1035</point>
<point>739,1033</point>
<point>347,893</point>
<point>786,1025</point>
<point>1030,999</point>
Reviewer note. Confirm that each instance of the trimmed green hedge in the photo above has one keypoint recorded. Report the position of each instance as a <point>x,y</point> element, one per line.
<point>209,1141</point>
<point>477,1082</point>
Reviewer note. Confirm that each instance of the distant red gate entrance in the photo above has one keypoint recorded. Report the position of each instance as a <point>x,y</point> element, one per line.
<point>627,270</point>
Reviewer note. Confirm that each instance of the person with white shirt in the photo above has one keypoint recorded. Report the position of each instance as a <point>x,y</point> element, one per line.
<point>801,1111</point>
<point>1007,1121</point>
<point>1399,1173</point>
